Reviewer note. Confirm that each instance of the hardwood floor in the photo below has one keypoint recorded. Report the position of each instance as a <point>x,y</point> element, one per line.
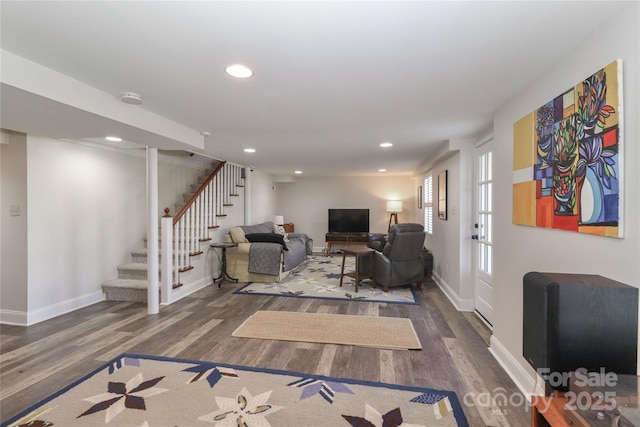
<point>38,360</point>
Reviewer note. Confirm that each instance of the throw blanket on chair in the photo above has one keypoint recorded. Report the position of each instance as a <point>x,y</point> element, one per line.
<point>296,253</point>
<point>264,258</point>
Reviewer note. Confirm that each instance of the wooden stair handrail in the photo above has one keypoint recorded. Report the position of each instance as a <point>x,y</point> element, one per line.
<point>195,195</point>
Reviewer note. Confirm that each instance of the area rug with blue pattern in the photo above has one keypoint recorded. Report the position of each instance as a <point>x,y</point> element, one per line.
<point>144,391</point>
<point>319,277</point>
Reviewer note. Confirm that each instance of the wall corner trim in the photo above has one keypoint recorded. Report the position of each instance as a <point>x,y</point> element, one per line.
<point>12,317</point>
<point>527,384</point>
<point>459,303</point>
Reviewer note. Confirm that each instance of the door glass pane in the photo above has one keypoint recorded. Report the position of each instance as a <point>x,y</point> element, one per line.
<point>485,207</point>
<point>486,258</point>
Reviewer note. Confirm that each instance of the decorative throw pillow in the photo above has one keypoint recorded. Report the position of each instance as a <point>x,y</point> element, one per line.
<point>267,238</point>
<point>278,229</point>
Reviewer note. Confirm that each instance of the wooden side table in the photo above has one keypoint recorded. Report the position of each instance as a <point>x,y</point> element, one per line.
<point>358,252</point>
<point>223,268</point>
<point>603,405</point>
<point>548,410</point>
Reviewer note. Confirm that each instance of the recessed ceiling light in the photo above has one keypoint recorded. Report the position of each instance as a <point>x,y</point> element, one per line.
<point>113,139</point>
<point>238,70</point>
<point>298,172</point>
<point>382,170</point>
<point>386,145</point>
<point>249,150</point>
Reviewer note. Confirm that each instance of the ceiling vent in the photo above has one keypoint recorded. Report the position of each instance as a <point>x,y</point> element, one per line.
<point>131,98</point>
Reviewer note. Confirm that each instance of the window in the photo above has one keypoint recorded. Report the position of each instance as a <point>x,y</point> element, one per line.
<point>428,204</point>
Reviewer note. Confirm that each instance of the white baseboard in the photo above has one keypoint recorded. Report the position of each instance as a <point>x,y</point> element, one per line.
<point>527,384</point>
<point>22,318</point>
<point>459,303</point>
<point>12,317</point>
<point>187,289</point>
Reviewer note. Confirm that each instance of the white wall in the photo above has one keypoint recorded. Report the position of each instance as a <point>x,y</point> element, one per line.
<point>520,249</point>
<point>13,229</point>
<point>176,175</point>
<point>263,202</point>
<point>444,242</point>
<point>451,242</point>
<point>305,201</point>
<point>4,139</point>
<point>87,212</point>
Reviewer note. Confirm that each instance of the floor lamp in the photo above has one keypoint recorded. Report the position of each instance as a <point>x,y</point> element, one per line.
<point>394,206</point>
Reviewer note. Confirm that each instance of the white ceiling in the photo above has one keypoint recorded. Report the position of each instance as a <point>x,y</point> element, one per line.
<point>332,79</point>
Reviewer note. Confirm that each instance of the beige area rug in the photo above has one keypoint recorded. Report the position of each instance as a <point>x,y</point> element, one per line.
<point>147,391</point>
<point>363,331</point>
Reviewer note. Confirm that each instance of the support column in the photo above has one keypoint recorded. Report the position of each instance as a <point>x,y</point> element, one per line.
<point>166,270</point>
<point>153,297</point>
<point>247,195</point>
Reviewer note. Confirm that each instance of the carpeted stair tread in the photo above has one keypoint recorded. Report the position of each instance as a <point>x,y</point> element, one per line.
<point>125,290</point>
<point>133,270</point>
<point>139,255</point>
<point>133,266</point>
<point>126,283</point>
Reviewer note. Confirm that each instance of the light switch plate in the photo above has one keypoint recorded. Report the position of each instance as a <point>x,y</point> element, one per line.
<point>14,210</point>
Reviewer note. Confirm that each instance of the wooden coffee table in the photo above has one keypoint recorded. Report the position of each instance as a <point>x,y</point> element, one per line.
<point>358,252</point>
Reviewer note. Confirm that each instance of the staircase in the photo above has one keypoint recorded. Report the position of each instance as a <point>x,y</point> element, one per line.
<point>196,217</point>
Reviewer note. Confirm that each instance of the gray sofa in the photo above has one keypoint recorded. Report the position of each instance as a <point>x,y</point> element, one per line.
<point>263,255</point>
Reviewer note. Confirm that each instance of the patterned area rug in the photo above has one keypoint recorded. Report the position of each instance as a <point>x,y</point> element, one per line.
<point>319,277</point>
<point>144,391</point>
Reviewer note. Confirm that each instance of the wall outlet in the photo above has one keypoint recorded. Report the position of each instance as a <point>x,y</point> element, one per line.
<point>14,210</point>
<point>446,269</point>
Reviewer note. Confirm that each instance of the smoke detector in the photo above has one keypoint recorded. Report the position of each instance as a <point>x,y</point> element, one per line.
<point>131,98</point>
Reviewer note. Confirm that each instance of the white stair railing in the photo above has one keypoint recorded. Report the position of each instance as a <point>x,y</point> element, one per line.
<point>191,226</point>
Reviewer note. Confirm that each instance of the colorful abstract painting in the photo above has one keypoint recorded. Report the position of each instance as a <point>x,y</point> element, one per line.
<point>567,159</point>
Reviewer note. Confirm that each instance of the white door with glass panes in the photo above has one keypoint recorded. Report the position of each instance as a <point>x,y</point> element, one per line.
<point>483,230</point>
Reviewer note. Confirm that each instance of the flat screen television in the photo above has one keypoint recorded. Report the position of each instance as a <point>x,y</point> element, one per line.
<point>578,321</point>
<point>348,220</point>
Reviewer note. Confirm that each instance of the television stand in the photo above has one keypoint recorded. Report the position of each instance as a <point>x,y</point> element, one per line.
<point>345,239</point>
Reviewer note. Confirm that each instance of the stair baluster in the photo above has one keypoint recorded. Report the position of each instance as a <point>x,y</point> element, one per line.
<point>194,220</point>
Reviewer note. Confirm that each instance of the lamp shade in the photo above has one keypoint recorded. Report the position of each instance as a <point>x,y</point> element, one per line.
<point>278,220</point>
<point>394,205</point>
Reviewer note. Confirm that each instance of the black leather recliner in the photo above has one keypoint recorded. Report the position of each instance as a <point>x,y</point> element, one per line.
<point>400,262</point>
<point>377,241</point>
